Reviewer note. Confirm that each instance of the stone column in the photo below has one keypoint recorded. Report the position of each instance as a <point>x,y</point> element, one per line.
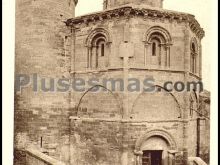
<point>160,56</point>
<point>124,157</point>
<point>167,49</point>
<point>96,57</point>
<point>108,51</point>
<point>138,157</point>
<point>145,57</point>
<point>185,156</point>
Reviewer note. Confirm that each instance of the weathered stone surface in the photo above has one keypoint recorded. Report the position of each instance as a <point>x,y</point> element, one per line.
<point>40,34</point>
<point>34,157</point>
<point>115,3</point>
<point>110,127</point>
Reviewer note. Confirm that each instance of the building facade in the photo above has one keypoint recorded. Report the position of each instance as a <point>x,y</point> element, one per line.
<point>129,40</point>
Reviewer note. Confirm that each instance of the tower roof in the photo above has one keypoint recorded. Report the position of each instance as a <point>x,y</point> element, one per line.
<point>116,3</point>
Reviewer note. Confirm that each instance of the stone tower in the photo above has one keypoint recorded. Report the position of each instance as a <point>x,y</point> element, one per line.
<point>115,3</point>
<point>41,118</point>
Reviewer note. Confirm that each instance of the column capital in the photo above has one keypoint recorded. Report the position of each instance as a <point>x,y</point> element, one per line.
<point>138,153</point>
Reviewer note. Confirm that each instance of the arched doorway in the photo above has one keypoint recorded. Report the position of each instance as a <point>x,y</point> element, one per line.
<point>156,147</point>
<point>155,151</point>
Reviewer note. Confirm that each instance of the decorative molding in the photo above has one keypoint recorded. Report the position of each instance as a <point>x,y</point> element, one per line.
<point>129,121</point>
<point>129,12</point>
<point>156,132</point>
<point>96,31</point>
<point>133,68</point>
<point>160,30</point>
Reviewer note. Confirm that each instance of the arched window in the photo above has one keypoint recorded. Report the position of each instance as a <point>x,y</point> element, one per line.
<point>98,44</point>
<point>157,47</point>
<point>154,49</point>
<point>98,51</point>
<point>193,47</point>
<point>194,57</point>
<point>158,50</point>
<point>101,47</point>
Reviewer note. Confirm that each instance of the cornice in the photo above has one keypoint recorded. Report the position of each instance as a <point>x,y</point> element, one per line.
<point>134,68</point>
<point>146,13</point>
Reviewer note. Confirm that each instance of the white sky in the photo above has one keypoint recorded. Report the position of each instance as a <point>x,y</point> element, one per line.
<point>202,9</point>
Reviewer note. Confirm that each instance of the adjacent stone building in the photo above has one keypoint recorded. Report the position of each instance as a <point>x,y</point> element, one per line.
<point>128,39</point>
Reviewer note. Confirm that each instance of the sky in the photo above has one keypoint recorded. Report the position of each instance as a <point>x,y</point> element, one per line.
<point>202,9</point>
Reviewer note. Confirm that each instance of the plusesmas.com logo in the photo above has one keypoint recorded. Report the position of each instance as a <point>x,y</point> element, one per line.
<point>77,84</point>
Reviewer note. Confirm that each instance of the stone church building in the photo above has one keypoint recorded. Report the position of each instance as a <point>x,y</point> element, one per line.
<point>127,39</point>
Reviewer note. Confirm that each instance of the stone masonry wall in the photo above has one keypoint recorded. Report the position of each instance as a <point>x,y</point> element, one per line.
<point>102,141</point>
<point>115,3</point>
<point>100,128</point>
<point>137,28</point>
<point>41,118</point>
<point>34,157</point>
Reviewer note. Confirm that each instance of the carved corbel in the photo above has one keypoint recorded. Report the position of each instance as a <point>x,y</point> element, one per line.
<point>127,13</point>
<point>145,15</point>
<point>109,16</point>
